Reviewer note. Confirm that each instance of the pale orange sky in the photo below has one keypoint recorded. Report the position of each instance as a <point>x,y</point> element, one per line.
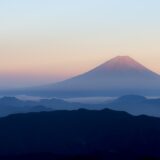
<point>72,57</point>
<point>57,40</point>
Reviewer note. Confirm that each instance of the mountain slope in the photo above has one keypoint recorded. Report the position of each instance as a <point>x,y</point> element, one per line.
<point>119,76</point>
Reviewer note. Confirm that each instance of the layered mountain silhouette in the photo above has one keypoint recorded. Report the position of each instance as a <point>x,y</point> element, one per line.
<point>119,76</point>
<point>133,104</point>
<point>13,105</point>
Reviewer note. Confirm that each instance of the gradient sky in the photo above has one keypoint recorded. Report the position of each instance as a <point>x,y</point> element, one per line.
<point>43,41</point>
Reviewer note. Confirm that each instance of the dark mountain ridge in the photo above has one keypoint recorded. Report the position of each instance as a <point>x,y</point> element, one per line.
<point>80,132</point>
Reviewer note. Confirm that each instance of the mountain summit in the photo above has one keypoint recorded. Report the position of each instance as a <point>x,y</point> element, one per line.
<point>123,66</point>
<point>119,76</point>
<point>122,63</point>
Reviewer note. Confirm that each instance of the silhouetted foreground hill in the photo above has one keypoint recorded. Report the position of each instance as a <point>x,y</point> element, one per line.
<point>82,133</point>
<point>50,156</point>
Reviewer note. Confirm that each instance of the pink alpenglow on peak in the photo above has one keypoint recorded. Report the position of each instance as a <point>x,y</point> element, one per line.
<point>123,63</point>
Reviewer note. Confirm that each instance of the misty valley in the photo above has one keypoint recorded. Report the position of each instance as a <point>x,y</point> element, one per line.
<point>132,104</point>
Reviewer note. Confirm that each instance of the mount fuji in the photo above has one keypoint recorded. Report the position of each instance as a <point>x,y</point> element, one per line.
<point>119,76</point>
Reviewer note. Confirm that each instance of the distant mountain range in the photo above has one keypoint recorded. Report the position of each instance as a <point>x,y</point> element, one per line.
<point>133,104</point>
<point>119,76</point>
<point>101,135</point>
<point>12,105</point>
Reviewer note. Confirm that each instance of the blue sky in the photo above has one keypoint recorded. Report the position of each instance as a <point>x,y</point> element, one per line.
<point>46,38</point>
<point>45,15</point>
